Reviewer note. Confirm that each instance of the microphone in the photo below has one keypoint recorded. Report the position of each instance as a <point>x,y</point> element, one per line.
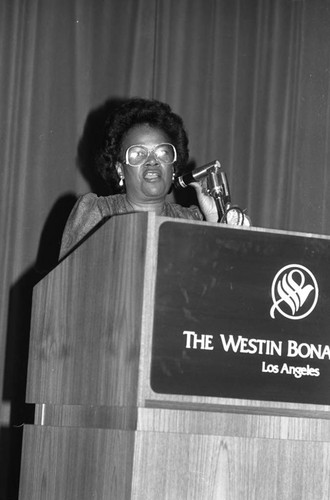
<point>184,180</point>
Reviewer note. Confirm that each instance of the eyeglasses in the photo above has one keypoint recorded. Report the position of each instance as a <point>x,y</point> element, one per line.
<point>138,154</point>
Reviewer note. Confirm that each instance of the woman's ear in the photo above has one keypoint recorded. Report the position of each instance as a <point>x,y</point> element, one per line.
<point>120,170</point>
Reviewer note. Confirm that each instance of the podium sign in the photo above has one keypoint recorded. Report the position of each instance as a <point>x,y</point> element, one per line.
<point>242,314</point>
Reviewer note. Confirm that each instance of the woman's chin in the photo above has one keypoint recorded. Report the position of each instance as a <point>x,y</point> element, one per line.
<point>155,189</point>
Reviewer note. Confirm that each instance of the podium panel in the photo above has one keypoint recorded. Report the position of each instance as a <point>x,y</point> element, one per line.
<point>152,366</point>
<point>219,328</point>
<point>76,462</point>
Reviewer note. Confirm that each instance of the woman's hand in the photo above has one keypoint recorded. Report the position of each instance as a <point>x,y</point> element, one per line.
<point>206,202</point>
<point>234,217</point>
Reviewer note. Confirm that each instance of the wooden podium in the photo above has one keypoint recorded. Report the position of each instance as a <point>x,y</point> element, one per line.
<point>118,416</point>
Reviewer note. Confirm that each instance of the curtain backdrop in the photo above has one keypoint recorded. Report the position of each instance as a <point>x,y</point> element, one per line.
<point>249,77</point>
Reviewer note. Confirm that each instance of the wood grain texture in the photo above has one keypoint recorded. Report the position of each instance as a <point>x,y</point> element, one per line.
<point>233,424</point>
<point>76,464</point>
<point>185,421</point>
<point>72,463</point>
<point>99,417</point>
<point>184,467</point>
<point>86,326</point>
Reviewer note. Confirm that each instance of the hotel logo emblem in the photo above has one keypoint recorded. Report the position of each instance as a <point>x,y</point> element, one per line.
<point>294,292</point>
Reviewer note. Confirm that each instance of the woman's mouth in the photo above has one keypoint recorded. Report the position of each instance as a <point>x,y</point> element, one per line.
<point>152,175</point>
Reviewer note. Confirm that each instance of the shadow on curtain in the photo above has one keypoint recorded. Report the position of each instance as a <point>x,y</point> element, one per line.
<point>18,334</point>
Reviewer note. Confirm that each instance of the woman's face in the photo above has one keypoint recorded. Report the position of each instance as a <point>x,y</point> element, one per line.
<point>151,181</point>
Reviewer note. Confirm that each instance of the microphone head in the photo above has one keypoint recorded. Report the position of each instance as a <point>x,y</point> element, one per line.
<point>183,181</point>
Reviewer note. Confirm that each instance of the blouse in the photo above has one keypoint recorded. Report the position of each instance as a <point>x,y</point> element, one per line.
<point>91,209</point>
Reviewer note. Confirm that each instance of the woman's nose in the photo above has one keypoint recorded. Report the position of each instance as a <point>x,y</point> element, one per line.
<point>152,159</point>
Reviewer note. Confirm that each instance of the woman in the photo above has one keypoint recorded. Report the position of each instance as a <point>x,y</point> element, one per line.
<point>145,148</point>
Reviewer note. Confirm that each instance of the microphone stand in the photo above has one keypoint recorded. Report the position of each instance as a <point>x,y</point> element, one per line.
<point>219,190</point>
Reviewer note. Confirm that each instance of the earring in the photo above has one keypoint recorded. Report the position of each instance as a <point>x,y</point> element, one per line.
<point>121,182</point>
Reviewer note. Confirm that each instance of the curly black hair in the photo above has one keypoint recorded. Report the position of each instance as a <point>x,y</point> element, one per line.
<point>133,112</point>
